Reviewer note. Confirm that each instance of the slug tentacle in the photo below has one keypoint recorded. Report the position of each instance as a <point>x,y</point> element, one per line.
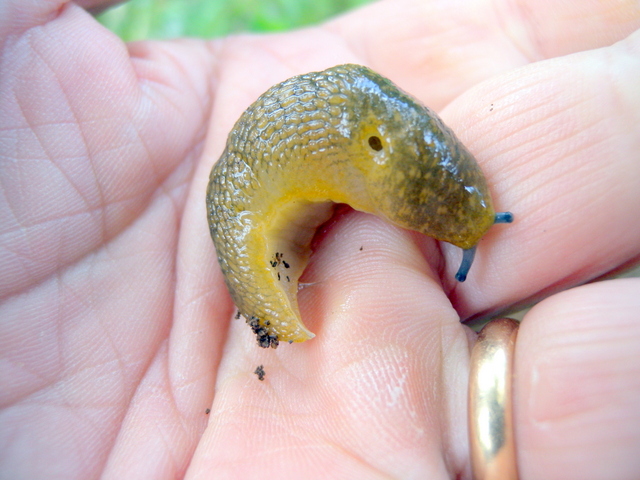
<point>504,217</point>
<point>469,254</point>
<point>467,259</point>
<point>344,135</point>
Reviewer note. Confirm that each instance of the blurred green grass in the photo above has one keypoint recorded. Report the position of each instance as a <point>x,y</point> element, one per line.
<point>158,19</point>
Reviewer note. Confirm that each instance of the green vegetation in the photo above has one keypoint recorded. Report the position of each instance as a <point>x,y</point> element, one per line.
<point>141,19</point>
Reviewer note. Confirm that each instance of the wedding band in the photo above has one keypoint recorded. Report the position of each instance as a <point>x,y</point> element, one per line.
<point>493,453</point>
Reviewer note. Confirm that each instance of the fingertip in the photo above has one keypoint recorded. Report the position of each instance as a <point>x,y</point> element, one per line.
<point>576,385</point>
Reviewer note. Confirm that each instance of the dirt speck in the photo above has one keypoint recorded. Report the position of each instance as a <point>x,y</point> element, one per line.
<point>264,338</point>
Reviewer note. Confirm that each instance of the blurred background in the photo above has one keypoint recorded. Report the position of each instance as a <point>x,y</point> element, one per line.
<point>158,19</point>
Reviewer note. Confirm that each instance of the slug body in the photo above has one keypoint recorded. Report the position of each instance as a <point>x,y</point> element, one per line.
<point>344,135</point>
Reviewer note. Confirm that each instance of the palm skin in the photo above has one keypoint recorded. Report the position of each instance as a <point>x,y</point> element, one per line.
<point>117,332</point>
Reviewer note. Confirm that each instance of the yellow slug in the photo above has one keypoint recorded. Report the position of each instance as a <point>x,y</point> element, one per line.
<point>344,135</point>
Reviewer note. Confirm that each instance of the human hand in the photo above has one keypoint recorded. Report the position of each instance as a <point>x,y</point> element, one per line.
<point>116,329</point>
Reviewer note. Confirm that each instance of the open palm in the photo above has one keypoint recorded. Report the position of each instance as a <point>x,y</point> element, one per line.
<point>119,355</point>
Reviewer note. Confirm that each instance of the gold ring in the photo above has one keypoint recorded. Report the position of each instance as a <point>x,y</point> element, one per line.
<point>493,453</point>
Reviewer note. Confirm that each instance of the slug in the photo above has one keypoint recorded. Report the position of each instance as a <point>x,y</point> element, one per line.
<point>344,135</point>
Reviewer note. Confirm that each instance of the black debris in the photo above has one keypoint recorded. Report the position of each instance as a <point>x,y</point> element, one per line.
<point>259,371</point>
<point>278,260</point>
<point>264,338</point>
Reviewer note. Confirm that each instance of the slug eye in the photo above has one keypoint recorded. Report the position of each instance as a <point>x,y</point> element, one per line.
<point>375,143</point>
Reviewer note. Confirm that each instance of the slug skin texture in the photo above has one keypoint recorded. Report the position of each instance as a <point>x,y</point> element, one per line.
<point>344,135</point>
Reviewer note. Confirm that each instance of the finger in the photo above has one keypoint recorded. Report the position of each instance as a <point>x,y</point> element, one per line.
<point>438,49</point>
<point>246,63</point>
<point>558,142</point>
<point>372,394</point>
<point>418,45</point>
<point>97,148</point>
<point>88,135</point>
<point>435,50</point>
<point>576,384</point>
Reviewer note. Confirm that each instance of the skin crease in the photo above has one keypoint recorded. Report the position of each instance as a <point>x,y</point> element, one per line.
<point>344,135</point>
<point>117,331</point>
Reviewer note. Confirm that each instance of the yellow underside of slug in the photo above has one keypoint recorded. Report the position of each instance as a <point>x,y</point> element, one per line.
<point>282,244</point>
